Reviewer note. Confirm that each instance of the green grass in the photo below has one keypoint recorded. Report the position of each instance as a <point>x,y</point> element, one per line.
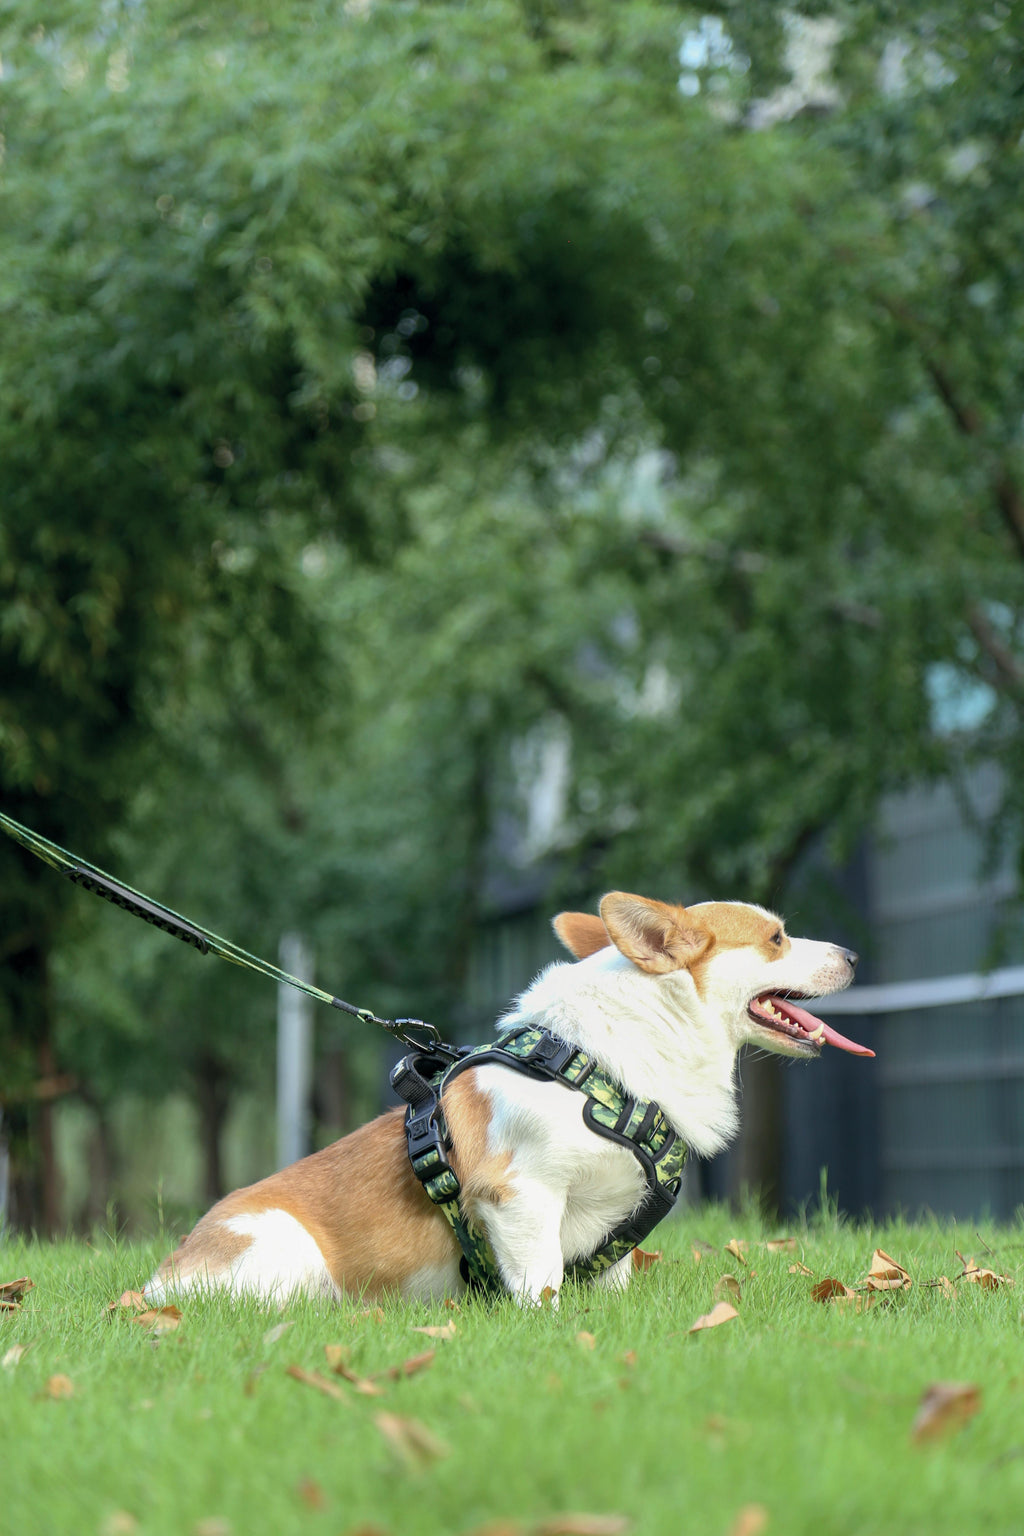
<point>800,1407</point>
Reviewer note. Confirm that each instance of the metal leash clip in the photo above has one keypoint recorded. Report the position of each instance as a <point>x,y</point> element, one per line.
<point>416,1033</point>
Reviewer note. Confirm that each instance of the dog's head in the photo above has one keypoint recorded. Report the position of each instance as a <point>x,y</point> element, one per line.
<point>744,966</point>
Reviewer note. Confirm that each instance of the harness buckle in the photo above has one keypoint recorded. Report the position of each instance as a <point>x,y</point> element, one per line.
<point>551,1052</point>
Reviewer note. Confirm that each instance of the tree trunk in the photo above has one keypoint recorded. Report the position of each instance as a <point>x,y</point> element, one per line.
<point>213,1095</point>
<point>34,1183</point>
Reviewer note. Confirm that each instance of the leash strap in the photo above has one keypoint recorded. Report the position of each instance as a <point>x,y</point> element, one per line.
<point>414,1032</point>
<point>638,1125</point>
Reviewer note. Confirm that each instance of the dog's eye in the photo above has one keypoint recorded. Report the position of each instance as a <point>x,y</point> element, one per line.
<point>776,938</point>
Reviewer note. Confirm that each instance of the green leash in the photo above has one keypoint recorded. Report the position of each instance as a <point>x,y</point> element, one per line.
<point>86,875</point>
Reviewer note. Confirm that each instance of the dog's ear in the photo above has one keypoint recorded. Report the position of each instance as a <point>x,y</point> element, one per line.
<point>582,933</point>
<point>656,937</point>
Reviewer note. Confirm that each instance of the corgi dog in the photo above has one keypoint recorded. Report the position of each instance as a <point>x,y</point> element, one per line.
<point>660,997</point>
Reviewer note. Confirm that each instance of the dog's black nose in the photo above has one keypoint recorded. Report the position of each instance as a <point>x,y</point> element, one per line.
<point>851,958</point>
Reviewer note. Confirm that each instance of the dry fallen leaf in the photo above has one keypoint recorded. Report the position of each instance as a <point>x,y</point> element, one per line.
<point>213,1525</point>
<point>321,1383</point>
<point>252,1380</point>
<point>751,1520</point>
<point>642,1259</point>
<point>737,1246</point>
<point>779,1245</point>
<point>886,1274</point>
<point>410,1367</point>
<point>439,1331</point>
<point>728,1285</point>
<point>132,1301</point>
<point>833,1290</point>
<point>724,1312</point>
<point>583,1525</point>
<point>413,1441</point>
<point>585,1340</point>
<point>945,1406</point>
<point>12,1356</point>
<point>986,1278</point>
<point>337,1359</point>
<point>367,1315</point>
<point>120,1522</point>
<point>629,1358</point>
<point>59,1386</point>
<point>800,1269</point>
<point>159,1319</point>
<point>12,1293</point>
<point>311,1494</point>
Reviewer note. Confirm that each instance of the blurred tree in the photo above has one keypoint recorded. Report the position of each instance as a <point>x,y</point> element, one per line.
<point>597,384</point>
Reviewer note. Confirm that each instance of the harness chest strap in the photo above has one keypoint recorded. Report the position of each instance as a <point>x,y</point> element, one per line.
<point>639,1125</point>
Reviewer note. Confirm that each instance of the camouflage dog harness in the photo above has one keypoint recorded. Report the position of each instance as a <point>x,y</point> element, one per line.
<point>639,1125</point>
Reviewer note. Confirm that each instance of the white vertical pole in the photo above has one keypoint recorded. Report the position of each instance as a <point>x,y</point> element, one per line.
<point>294,1052</point>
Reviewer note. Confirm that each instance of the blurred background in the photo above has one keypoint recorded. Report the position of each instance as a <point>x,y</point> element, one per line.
<point>458,459</point>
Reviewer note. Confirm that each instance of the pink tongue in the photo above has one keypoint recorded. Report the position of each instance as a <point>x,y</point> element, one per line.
<point>810,1023</point>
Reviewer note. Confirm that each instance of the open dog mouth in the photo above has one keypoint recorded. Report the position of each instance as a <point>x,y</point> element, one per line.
<point>778,1011</point>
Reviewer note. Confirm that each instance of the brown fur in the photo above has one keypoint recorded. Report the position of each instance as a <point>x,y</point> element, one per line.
<point>208,1247</point>
<point>359,1200</point>
<point>582,933</point>
<point>482,1173</point>
<point>657,937</point>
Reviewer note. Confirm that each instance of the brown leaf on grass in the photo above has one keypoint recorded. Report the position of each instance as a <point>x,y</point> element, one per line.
<point>213,1525</point>
<point>724,1312</point>
<point>945,1406</point>
<point>311,1494</point>
<point>59,1386</point>
<point>12,1293</point>
<point>120,1522</point>
<point>751,1520</point>
<point>131,1301</point>
<point>737,1246</point>
<point>321,1383</point>
<point>451,1305</point>
<point>644,1259</point>
<point>571,1524</point>
<point>410,1367</point>
<point>832,1290</point>
<point>781,1245</point>
<point>974,1275</point>
<point>337,1358</point>
<point>159,1319</point>
<point>252,1380</point>
<point>886,1274</point>
<point>629,1358</point>
<point>412,1441</point>
<point>367,1315</point>
<point>12,1356</point>
<point>727,1286</point>
<point>800,1269</point>
<point>439,1331</point>
<point>585,1340</point>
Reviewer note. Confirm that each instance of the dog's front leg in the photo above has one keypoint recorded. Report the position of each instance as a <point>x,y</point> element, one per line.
<point>525,1233</point>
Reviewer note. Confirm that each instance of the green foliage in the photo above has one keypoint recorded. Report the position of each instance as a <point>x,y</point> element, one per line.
<point>402,404</point>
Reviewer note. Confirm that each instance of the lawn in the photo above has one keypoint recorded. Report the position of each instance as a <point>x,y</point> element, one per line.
<point>794,1417</point>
